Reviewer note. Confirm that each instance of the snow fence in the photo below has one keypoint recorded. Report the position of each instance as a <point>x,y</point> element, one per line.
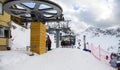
<point>99,53</point>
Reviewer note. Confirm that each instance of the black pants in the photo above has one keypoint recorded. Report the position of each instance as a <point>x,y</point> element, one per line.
<point>49,47</point>
<point>118,66</point>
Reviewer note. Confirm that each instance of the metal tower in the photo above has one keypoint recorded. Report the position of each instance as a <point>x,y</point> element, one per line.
<point>57,27</point>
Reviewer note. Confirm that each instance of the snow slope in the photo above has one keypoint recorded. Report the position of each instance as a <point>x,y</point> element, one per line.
<point>102,38</point>
<point>57,59</point>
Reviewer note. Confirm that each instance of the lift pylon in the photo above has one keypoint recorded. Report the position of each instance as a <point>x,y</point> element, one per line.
<point>38,12</point>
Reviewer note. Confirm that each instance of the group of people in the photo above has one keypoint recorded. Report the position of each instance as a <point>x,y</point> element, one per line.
<point>115,59</point>
<point>68,43</point>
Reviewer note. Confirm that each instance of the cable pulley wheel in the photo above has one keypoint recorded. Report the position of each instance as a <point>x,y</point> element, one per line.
<point>33,9</point>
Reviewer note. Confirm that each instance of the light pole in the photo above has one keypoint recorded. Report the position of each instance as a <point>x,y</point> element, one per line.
<point>84,39</point>
<point>57,37</point>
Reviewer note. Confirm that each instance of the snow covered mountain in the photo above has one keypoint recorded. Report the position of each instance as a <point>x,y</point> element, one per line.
<point>109,31</point>
<point>108,39</point>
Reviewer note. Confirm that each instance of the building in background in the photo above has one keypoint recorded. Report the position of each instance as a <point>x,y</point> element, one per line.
<point>4,27</point>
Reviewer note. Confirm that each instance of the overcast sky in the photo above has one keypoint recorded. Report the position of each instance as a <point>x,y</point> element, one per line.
<point>85,13</point>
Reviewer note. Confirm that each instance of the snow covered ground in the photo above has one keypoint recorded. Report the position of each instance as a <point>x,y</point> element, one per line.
<point>57,59</point>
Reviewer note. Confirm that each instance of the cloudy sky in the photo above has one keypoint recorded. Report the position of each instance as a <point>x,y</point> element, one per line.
<point>86,13</point>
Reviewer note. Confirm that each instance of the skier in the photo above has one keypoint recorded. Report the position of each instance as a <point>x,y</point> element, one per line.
<point>48,43</point>
<point>71,43</point>
<point>79,45</point>
<point>118,59</point>
<point>113,61</point>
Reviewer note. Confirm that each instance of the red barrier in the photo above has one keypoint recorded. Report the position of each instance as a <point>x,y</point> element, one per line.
<point>99,53</point>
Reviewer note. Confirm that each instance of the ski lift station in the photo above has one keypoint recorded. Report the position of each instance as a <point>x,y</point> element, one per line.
<point>23,12</point>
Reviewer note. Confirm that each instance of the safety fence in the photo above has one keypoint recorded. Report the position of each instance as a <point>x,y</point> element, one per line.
<point>99,53</point>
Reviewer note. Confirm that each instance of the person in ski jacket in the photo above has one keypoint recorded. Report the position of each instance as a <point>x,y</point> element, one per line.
<point>71,43</point>
<point>118,61</point>
<point>49,43</point>
<point>62,43</point>
<point>113,61</point>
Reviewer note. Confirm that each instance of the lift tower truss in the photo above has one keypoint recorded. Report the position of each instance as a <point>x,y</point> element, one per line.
<point>57,27</point>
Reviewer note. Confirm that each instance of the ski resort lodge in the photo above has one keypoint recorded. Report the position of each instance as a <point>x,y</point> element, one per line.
<point>38,32</point>
<point>4,27</point>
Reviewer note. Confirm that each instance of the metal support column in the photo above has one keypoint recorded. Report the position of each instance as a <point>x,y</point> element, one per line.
<point>57,37</point>
<point>84,38</point>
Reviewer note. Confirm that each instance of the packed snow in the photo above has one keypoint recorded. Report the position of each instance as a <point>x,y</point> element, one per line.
<point>57,59</point>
